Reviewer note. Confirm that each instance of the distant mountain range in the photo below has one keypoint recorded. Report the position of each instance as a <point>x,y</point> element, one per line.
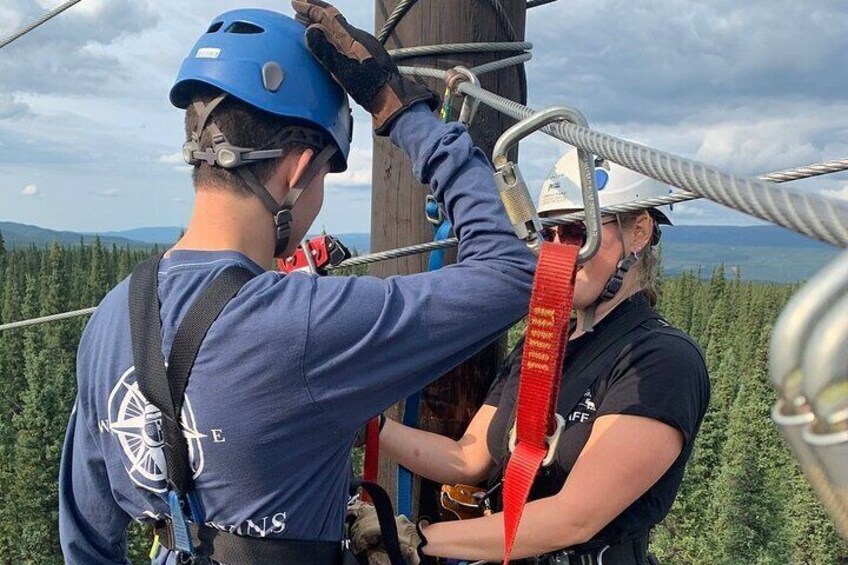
<point>766,253</point>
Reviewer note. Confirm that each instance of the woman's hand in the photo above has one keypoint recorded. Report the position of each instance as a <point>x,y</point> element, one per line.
<point>367,538</point>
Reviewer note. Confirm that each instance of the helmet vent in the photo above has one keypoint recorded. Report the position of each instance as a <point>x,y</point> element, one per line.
<point>243,27</point>
<point>214,27</point>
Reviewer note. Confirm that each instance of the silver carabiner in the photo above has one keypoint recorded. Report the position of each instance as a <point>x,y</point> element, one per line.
<point>513,190</point>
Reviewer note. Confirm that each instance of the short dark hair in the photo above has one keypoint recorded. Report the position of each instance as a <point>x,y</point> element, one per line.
<point>245,126</point>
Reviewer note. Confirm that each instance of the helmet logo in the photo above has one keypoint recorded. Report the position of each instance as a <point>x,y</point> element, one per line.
<point>208,53</point>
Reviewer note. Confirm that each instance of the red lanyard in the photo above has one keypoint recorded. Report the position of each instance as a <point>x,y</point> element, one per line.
<point>537,427</point>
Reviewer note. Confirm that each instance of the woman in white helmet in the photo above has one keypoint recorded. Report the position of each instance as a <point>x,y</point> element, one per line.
<point>622,454</point>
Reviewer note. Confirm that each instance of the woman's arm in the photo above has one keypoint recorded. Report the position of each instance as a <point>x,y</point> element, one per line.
<point>440,458</point>
<point>623,457</point>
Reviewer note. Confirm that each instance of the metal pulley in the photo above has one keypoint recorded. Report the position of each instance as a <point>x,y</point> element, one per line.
<point>516,197</point>
<point>808,365</point>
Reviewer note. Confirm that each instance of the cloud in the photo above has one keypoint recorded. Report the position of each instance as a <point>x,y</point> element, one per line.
<point>73,52</point>
<point>11,108</point>
<point>655,60</point>
<point>176,162</point>
<point>30,191</point>
<point>108,192</point>
<point>839,193</point>
<point>358,173</point>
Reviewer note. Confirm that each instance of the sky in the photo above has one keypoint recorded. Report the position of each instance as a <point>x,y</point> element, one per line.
<point>89,141</point>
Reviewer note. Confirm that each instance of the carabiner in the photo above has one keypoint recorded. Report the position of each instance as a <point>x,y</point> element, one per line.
<point>513,190</point>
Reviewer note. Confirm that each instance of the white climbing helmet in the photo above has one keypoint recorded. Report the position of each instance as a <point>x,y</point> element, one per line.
<point>616,185</point>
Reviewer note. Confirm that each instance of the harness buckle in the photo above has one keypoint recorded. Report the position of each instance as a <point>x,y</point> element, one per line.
<point>552,440</point>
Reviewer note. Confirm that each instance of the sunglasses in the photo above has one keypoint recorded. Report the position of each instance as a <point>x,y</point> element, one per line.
<point>574,233</point>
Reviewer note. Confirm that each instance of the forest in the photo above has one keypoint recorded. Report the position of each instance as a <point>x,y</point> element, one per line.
<point>743,500</point>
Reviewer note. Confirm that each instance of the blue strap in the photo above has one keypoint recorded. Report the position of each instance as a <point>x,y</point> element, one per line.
<point>411,405</point>
<point>182,539</point>
<point>404,475</point>
<point>437,257</point>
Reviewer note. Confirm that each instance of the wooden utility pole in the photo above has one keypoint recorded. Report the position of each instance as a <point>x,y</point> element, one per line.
<point>397,209</point>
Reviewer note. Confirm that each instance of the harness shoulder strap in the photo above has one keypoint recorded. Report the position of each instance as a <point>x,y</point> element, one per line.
<point>581,377</point>
<point>165,387</point>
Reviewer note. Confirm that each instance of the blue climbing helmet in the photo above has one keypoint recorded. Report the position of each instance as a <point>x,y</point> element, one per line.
<point>261,58</point>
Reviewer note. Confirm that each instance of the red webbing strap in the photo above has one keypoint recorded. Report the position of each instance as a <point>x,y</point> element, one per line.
<point>541,370</point>
<point>372,450</point>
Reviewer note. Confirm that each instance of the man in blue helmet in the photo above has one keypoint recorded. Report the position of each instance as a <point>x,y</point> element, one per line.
<point>248,460</point>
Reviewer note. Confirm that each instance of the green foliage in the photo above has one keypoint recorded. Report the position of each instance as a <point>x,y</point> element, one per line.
<point>744,499</point>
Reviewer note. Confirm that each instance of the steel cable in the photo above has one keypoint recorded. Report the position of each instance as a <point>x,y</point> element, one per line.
<point>455,48</point>
<point>46,319</point>
<point>394,19</point>
<point>798,173</point>
<point>537,3</point>
<point>28,28</point>
<point>816,215</point>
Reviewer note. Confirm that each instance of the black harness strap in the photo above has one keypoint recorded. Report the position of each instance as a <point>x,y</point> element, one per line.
<point>224,547</point>
<point>385,517</point>
<point>165,387</point>
<point>579,379</point>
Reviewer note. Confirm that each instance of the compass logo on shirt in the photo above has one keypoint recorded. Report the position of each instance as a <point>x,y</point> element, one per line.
<point>137,425</point>
<point>584,410</point>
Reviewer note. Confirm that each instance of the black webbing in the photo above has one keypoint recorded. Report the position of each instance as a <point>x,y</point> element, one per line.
<point>385,517</point>
<point>579,379</point>
<point>224,547</point>
<point>165,387</point>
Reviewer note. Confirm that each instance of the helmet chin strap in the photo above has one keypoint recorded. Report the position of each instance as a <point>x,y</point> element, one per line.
<point>228,156</point>
<point>613,285</point>
<point>282,212</point>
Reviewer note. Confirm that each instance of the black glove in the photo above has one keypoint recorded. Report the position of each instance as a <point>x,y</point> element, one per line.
<point>360,64</point>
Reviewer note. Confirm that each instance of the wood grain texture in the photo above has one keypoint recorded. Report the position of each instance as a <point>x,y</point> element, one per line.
<point>397,208</point>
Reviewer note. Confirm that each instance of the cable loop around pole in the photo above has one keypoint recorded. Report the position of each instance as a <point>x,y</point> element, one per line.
<point>469,105</point>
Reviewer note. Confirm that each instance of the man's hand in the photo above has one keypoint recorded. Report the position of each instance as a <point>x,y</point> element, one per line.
<point>360,64</point>
<point>366,537</point>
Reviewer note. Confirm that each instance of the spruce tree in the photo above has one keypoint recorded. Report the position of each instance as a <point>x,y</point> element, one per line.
<point>98,276</point>
<point>41,424</point>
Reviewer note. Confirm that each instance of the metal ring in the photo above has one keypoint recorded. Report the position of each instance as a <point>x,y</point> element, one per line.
<point>453,78</point>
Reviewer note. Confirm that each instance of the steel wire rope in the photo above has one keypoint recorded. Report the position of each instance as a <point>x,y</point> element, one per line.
<point>505,22</point>
<point>816,215</point>
<point>798,173</point>
<point>537,3</point>
<point>394,19</point>
<point>454,48</point>
<point>31,26</point>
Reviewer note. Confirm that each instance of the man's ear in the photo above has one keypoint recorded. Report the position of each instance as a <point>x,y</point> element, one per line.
<point>299,164</point>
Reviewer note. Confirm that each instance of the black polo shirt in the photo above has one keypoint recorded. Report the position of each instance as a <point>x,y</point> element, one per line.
<point>655,371</point>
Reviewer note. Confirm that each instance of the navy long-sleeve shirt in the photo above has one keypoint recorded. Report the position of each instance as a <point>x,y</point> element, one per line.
<point>291,369</point>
